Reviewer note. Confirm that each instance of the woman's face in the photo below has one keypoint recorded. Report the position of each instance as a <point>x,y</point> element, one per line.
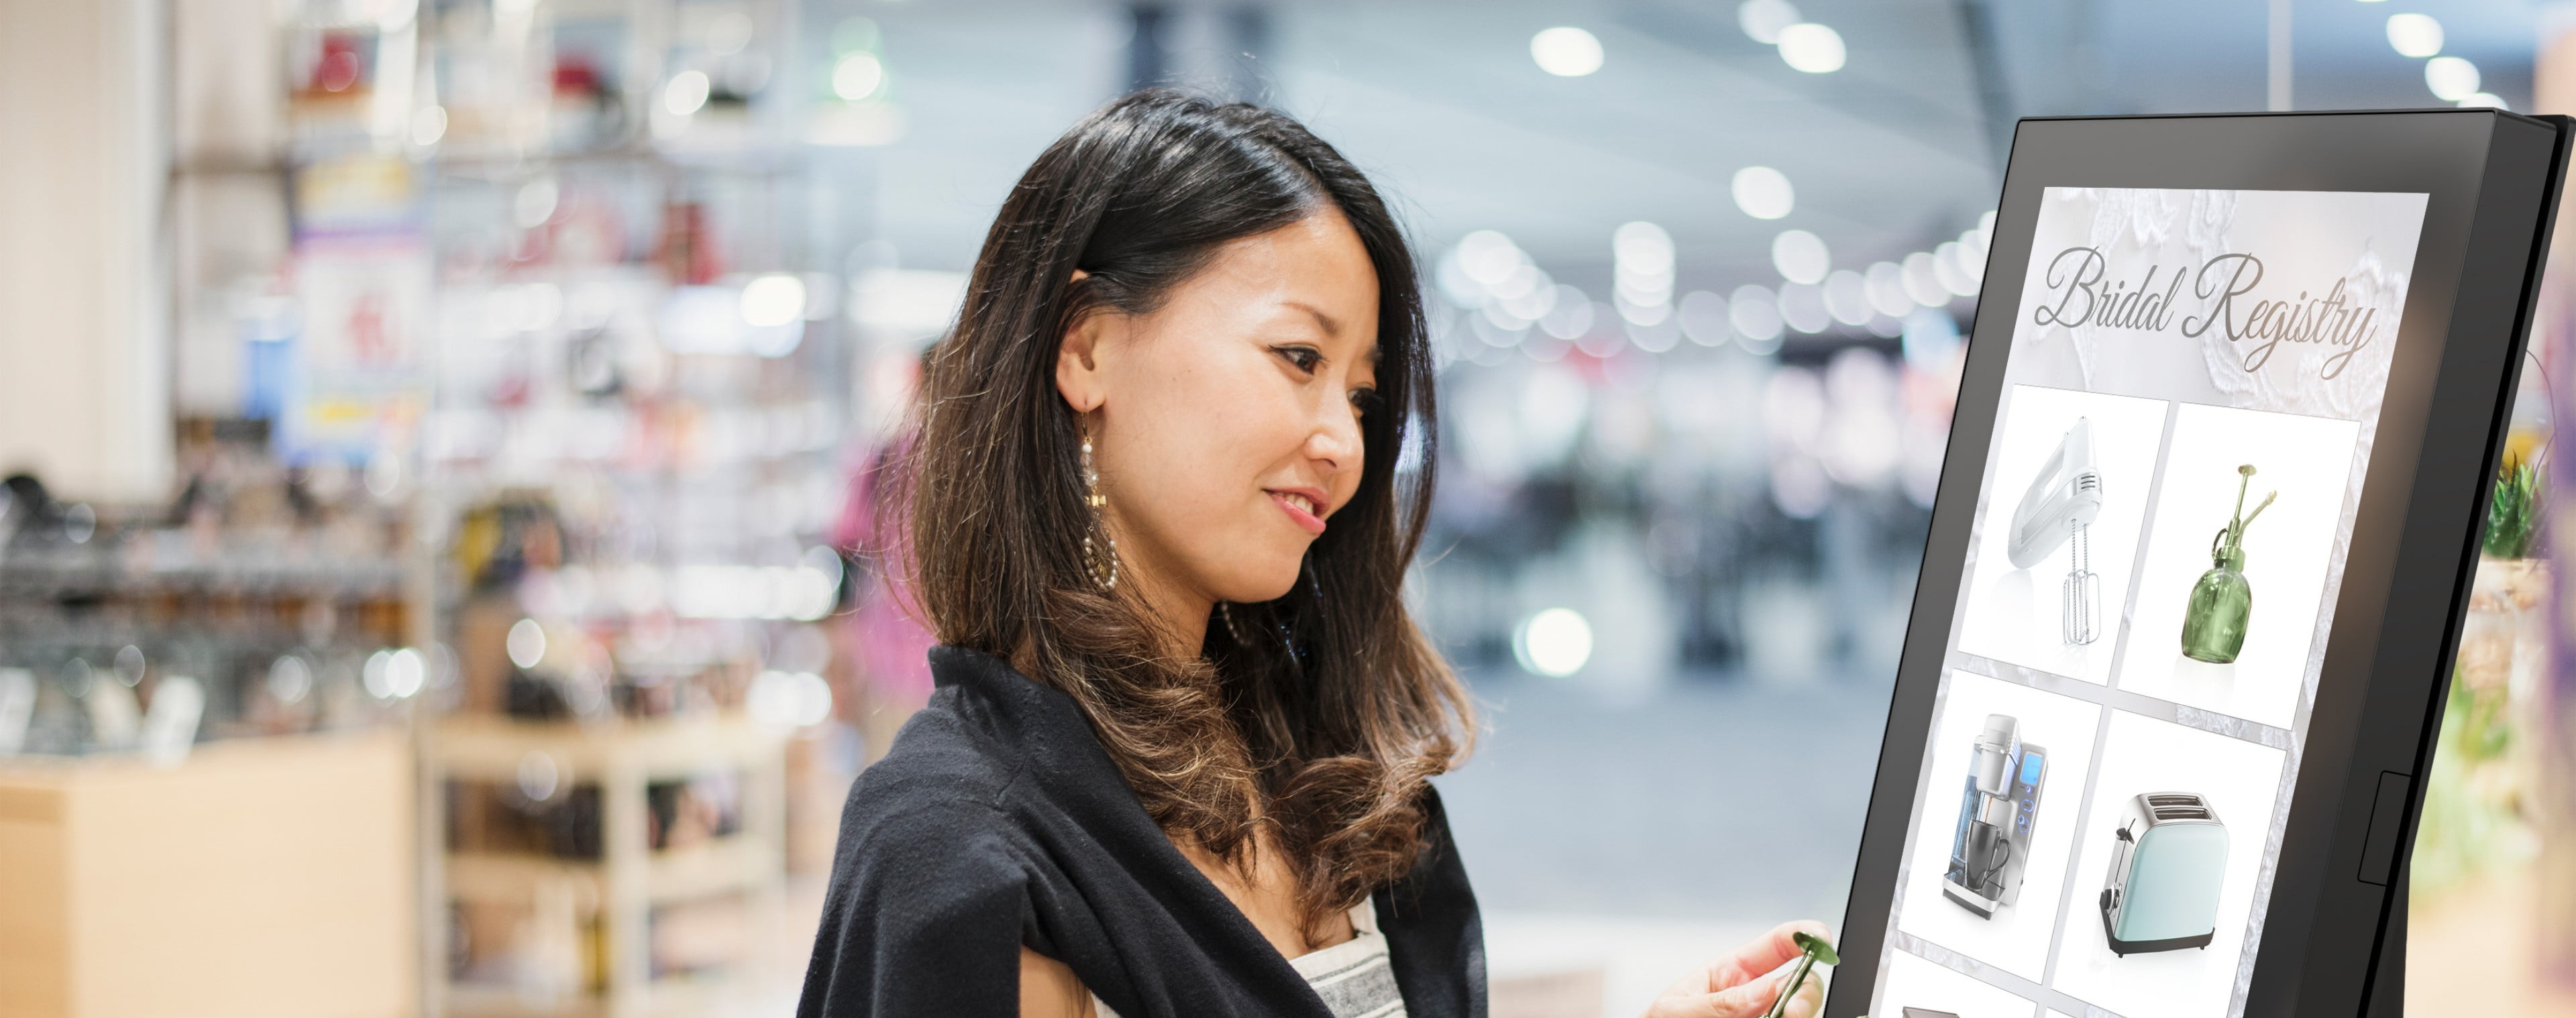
<point>1226,424</point>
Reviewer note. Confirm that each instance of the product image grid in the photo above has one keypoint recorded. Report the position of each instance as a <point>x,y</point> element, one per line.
<point>2144,889</point>
<point>2158,537</point>
<point>2157,886</point>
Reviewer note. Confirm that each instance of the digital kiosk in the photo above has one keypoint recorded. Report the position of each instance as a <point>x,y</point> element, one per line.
<point>2198,564</point>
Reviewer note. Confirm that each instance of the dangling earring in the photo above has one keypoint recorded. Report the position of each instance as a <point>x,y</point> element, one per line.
<point>1225,612</point>
<point>1102,564</point>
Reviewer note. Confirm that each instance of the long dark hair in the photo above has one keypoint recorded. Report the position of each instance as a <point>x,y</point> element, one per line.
<point>1321,714</point>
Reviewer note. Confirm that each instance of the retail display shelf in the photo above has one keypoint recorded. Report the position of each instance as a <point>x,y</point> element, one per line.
<point>622,889</point>
<point>494,748</point>
<point>732,863</point>
<point>691,996</point>
<point>83,571</point>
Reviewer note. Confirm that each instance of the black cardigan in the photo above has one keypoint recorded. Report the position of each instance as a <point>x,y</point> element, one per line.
<point>999,821</point>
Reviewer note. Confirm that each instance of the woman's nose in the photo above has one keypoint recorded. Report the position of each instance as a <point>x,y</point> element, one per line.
<point>1336,438</point>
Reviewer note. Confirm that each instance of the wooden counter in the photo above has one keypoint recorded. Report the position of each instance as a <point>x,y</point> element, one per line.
<point>275,878</point>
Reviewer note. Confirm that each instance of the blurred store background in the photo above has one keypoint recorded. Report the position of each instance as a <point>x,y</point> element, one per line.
<point>435,431</point>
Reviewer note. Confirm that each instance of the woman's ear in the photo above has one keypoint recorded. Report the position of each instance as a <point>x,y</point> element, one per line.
<point>1078,377</point>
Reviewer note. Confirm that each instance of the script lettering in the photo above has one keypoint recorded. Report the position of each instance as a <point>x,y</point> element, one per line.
<point>2083,289</point>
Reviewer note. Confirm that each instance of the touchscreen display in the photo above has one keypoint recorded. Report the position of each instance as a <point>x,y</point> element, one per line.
<point>2189,402</point>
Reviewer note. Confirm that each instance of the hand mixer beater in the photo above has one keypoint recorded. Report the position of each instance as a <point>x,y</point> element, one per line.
<point>2059,509</point>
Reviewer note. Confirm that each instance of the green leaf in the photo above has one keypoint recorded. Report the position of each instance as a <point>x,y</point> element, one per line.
<point>1816,948</point>
<point>2514,514</point>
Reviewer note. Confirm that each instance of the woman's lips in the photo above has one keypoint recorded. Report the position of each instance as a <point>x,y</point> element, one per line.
<point>1300,508</point>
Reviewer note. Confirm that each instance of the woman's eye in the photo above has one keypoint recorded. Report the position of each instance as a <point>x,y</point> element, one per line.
<point>1364,400</point>
<point>1304,357</point>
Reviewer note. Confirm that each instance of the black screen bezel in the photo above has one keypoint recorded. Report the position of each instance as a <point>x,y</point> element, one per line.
<point>2492,179</point>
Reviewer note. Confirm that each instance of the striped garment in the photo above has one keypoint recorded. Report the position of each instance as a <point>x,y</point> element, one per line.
<point>1353,976</point>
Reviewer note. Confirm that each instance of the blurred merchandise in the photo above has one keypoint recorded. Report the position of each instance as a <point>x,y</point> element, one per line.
<point>273,590</point>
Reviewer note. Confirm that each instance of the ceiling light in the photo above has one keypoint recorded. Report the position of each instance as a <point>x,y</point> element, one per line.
<point>1847,298</point>
<point>1763,192</point>
<point>2486,100</point>
<point>1973,242</point>
<point>1801,257</point>
<point>1923,281</point>
<point>1524,279</point>
<point>2414,35</point>
<point>1655,336</point>
<point>1703,317</point>
<point>1644,286</point>
<point>1969,254</point>
<point>1532,294</point>
<point>1488,257</point>
<point>1569,314</point>
<point>1653,312</point>
<point>1945,267</point>
<point>2451,78</point>
<point>1803,306</point>
<point>1812,48</point>
<point>1566,52</point>
<point>1755,313</point>
<point>1643,248</point>
<point>1763,19</point>
<point>1887,290</point>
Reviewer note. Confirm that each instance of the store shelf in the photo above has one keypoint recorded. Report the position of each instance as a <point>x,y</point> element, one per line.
<point>493,748</point>
<point>622,888</point>
<point>676,997</point>
<point>148,570</point>
<point>734,863</point>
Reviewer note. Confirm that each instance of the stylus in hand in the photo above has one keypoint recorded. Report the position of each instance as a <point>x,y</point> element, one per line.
<point>1814,949</point>
<point>1757,980</point>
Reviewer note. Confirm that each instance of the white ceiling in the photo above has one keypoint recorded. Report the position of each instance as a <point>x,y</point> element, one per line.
<point>1441,102</point>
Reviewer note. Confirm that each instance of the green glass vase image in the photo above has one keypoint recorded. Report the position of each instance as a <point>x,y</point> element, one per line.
<point>2222,603</point>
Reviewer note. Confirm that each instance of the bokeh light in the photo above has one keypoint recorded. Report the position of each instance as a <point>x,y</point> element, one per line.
<point>1566,51</point>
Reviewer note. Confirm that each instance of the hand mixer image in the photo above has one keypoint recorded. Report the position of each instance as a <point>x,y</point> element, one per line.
<point>2058,510</point>
<point>1996,817</point>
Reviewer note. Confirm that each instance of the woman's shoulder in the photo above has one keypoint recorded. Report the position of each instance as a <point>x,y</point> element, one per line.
<point>941,779</point>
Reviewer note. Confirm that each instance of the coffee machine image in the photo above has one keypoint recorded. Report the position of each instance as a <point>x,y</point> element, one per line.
<point>1997,813</point>
<point>2162,891</point>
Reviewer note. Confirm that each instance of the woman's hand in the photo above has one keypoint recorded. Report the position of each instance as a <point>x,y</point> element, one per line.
<point>1744,984</point>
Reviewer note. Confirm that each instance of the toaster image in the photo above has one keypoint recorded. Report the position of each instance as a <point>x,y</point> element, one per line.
<point>2162,892</point>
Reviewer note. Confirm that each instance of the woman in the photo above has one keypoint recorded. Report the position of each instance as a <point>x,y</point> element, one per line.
<point>1177,760</point>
